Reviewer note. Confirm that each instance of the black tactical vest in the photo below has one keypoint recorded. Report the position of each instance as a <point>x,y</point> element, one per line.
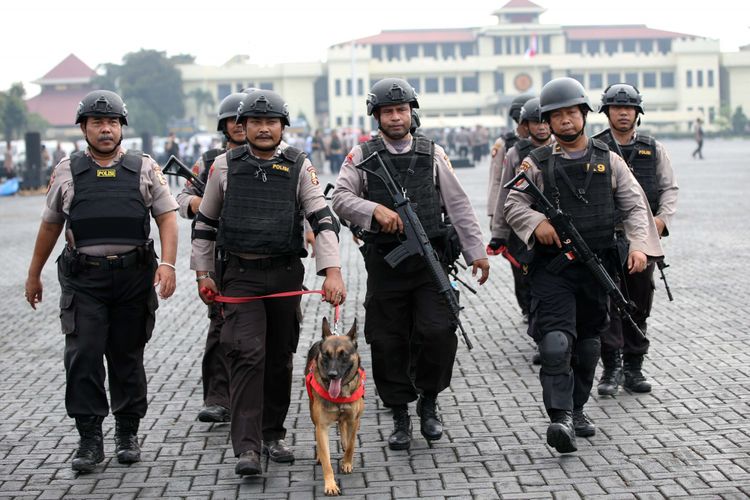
<point>524,147</point>
<point>510,139</point>
<point>208,161</point>
<point>414,170</point>
<point>583,189</point>
<point>107,206</point>
<point>261,214</point>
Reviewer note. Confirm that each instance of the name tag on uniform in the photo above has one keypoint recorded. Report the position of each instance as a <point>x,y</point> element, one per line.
<point>598,168</point>
<point>644,152</point>
<point>282,168</point>
<point>106,172</point>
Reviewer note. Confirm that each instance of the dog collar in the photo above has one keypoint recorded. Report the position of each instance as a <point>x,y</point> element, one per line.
<point>312,384</point>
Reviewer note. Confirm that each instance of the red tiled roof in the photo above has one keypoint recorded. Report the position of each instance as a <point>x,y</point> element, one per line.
<point>70,67</point>
<point>618,32</point>
<point>420,36</point>
<point>520,4</point>
<point>57,107</point>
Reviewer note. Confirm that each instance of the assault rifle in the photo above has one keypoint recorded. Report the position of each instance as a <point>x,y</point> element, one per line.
<point>662,266</point>
<point>416,241</point>
<point>574,247</point>
<point>175,167</point>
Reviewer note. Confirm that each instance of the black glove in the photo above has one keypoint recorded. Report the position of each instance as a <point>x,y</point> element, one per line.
<point>496,246</point>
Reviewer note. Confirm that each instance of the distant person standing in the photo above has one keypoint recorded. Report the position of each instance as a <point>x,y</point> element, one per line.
<point>171,147</point>
<point>698,131</point>
<point>58,155</point>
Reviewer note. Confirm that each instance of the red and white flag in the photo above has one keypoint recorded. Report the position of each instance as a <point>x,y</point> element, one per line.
<point>531,51</point>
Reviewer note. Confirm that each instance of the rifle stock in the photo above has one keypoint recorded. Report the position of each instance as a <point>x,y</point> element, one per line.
<point>574,246</point>
<point>416,241</point>
<point>175,167</point>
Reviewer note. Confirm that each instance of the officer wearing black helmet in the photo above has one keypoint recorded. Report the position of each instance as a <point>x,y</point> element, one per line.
<point>252,211</point>
<point>499,149</point>
<point>569,309</point>
<point>623,346</point>
<point>103,198</point>
<point>403,304</point>
<point>215,368</point>
<point>502,236</point>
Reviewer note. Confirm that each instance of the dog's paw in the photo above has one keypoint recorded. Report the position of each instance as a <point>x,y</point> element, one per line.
<point>332,489</point>
<point>345,468</point>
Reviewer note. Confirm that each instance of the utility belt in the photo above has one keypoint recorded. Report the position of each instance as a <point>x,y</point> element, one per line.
<point>263,263</point>
<point>75,262</point>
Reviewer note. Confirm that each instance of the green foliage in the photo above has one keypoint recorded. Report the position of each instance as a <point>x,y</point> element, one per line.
<point>202,99</point>
<point>739,121</point>
<point>151,86</point>
<point>13,113</point>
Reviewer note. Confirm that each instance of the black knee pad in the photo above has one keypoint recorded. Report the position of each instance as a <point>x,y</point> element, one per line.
<point>588,352</point>
<point>555,351</point>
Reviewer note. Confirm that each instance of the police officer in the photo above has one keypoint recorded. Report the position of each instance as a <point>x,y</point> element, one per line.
<point>499,149</point>
<point>102,197</point>
<point>403,303</point>
<point>649,162</point>
<point>254,202</point>
<point>569,307</point>
<point>502,236</point>
<point>215,368</point>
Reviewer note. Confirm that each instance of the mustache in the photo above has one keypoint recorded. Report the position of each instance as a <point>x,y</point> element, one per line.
<point>106,137</point>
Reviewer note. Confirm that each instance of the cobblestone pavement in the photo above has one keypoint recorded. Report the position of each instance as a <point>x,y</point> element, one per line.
<point>688,438</point>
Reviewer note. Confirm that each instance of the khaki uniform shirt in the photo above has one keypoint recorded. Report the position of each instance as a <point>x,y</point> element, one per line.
<point>189,192</point>
<point>350,204</point>
<point>309,195</point>
<point>496,167</point>
<point>630,199</point>
<point>154,189</point>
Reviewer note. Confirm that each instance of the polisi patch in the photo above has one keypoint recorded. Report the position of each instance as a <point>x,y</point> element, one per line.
<point>644,152</point>
<point>106,172</point>
<point>283,168</point>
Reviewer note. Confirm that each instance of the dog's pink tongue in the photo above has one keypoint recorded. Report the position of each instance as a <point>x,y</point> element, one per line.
<point>334,388</point>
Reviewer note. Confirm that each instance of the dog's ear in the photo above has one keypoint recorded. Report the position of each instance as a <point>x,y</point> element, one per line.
<point>326,328</point>
<point>352,334</point>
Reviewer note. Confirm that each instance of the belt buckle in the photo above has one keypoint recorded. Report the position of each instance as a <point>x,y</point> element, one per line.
<point>112,257</point>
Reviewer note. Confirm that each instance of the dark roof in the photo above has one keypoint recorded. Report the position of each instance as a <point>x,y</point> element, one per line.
<point>57,107</point>
<point>618,32</point>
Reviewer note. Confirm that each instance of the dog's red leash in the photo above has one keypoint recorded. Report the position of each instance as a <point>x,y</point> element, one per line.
<point>210,294</point>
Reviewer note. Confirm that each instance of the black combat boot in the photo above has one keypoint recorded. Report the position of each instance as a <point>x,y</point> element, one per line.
<point>431,424</point>
<point>560,433</point>
<point>400,439</point>
<point>582,424</point>
<point>126,440</point>
<point>611,378</point>
<point>634,379</point>
<point>91,446</point>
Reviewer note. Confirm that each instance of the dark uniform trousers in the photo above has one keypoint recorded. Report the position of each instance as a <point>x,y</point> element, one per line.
<point>521,284</point>
<point>106,313</point>
<point>571,302</point>
<point>409,329</point>
<point>639,288</point>
<point>260,338</point>
<point>215,368</point>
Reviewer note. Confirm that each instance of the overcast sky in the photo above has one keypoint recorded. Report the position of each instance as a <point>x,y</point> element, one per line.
<point>35,35</point>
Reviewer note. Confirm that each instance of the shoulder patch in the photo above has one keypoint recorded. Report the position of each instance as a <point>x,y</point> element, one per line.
<point>525,165</point>
<point>313,174</point>
<point>494,151</point>
<point>210,171</point>
<point>159,175</point>
<point>448,164</point>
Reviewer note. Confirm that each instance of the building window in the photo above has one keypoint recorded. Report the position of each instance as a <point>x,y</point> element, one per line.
<point>517,45</point>
<point>647,46</point>
<point>610,46</point>
<point>649,79</point>
<point>699,78</point>
<point>710,75</point>
<point>412,51</point>
<point>575,46</point>
<point>466,49</point>
<point>545,47</point>
<point>667,79</point>
<point>628,45</point>
<point>595,80</point>
<point>631,78</point>
<point>431,85</point>
<point>348,86</point>
<point>449,85</point>
<point>576,76</point>
<point>360,86</point>
<point>470,83</point>
<point>394,52</point>
<point>711,114</point>
<point>266,85</point>
<point>349,121</point>
<point>376,51</point>
<point>337,87</point>
<point>414,82</point>
<point>497,43</point>
<point>430,50</point>
<point>449,50</point>
<point>592,47</point>
<point>689,78</point>
<point>223,90</point>
<point>508,45</point>
<point>250,85</point>
<point>546,76</point>
<point>338,121</point>
<point>499,82</point>
<point>238,86</point>
<point>664,45</point>
<point>613,78</point>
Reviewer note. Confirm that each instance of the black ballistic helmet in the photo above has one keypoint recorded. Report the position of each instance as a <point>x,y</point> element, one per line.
<point>531,111</point>
<point>228,108</point>
<point>515,106</point>
<point>622,94</point>
<point>415,121</point>
<point>263,104</point>
<point>102,103</point>
<point>562,93</point>
<point>390,91</point>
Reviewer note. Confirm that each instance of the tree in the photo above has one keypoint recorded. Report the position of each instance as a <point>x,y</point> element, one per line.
<point>151,86</point>
<point>202,99</point>
<point>13,114</point>
<point>739,121</point>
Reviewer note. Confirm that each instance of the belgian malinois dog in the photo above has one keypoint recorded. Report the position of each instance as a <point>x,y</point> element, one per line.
<point>335,385</point>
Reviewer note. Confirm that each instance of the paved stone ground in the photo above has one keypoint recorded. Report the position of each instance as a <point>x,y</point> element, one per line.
<point>689,438</point>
